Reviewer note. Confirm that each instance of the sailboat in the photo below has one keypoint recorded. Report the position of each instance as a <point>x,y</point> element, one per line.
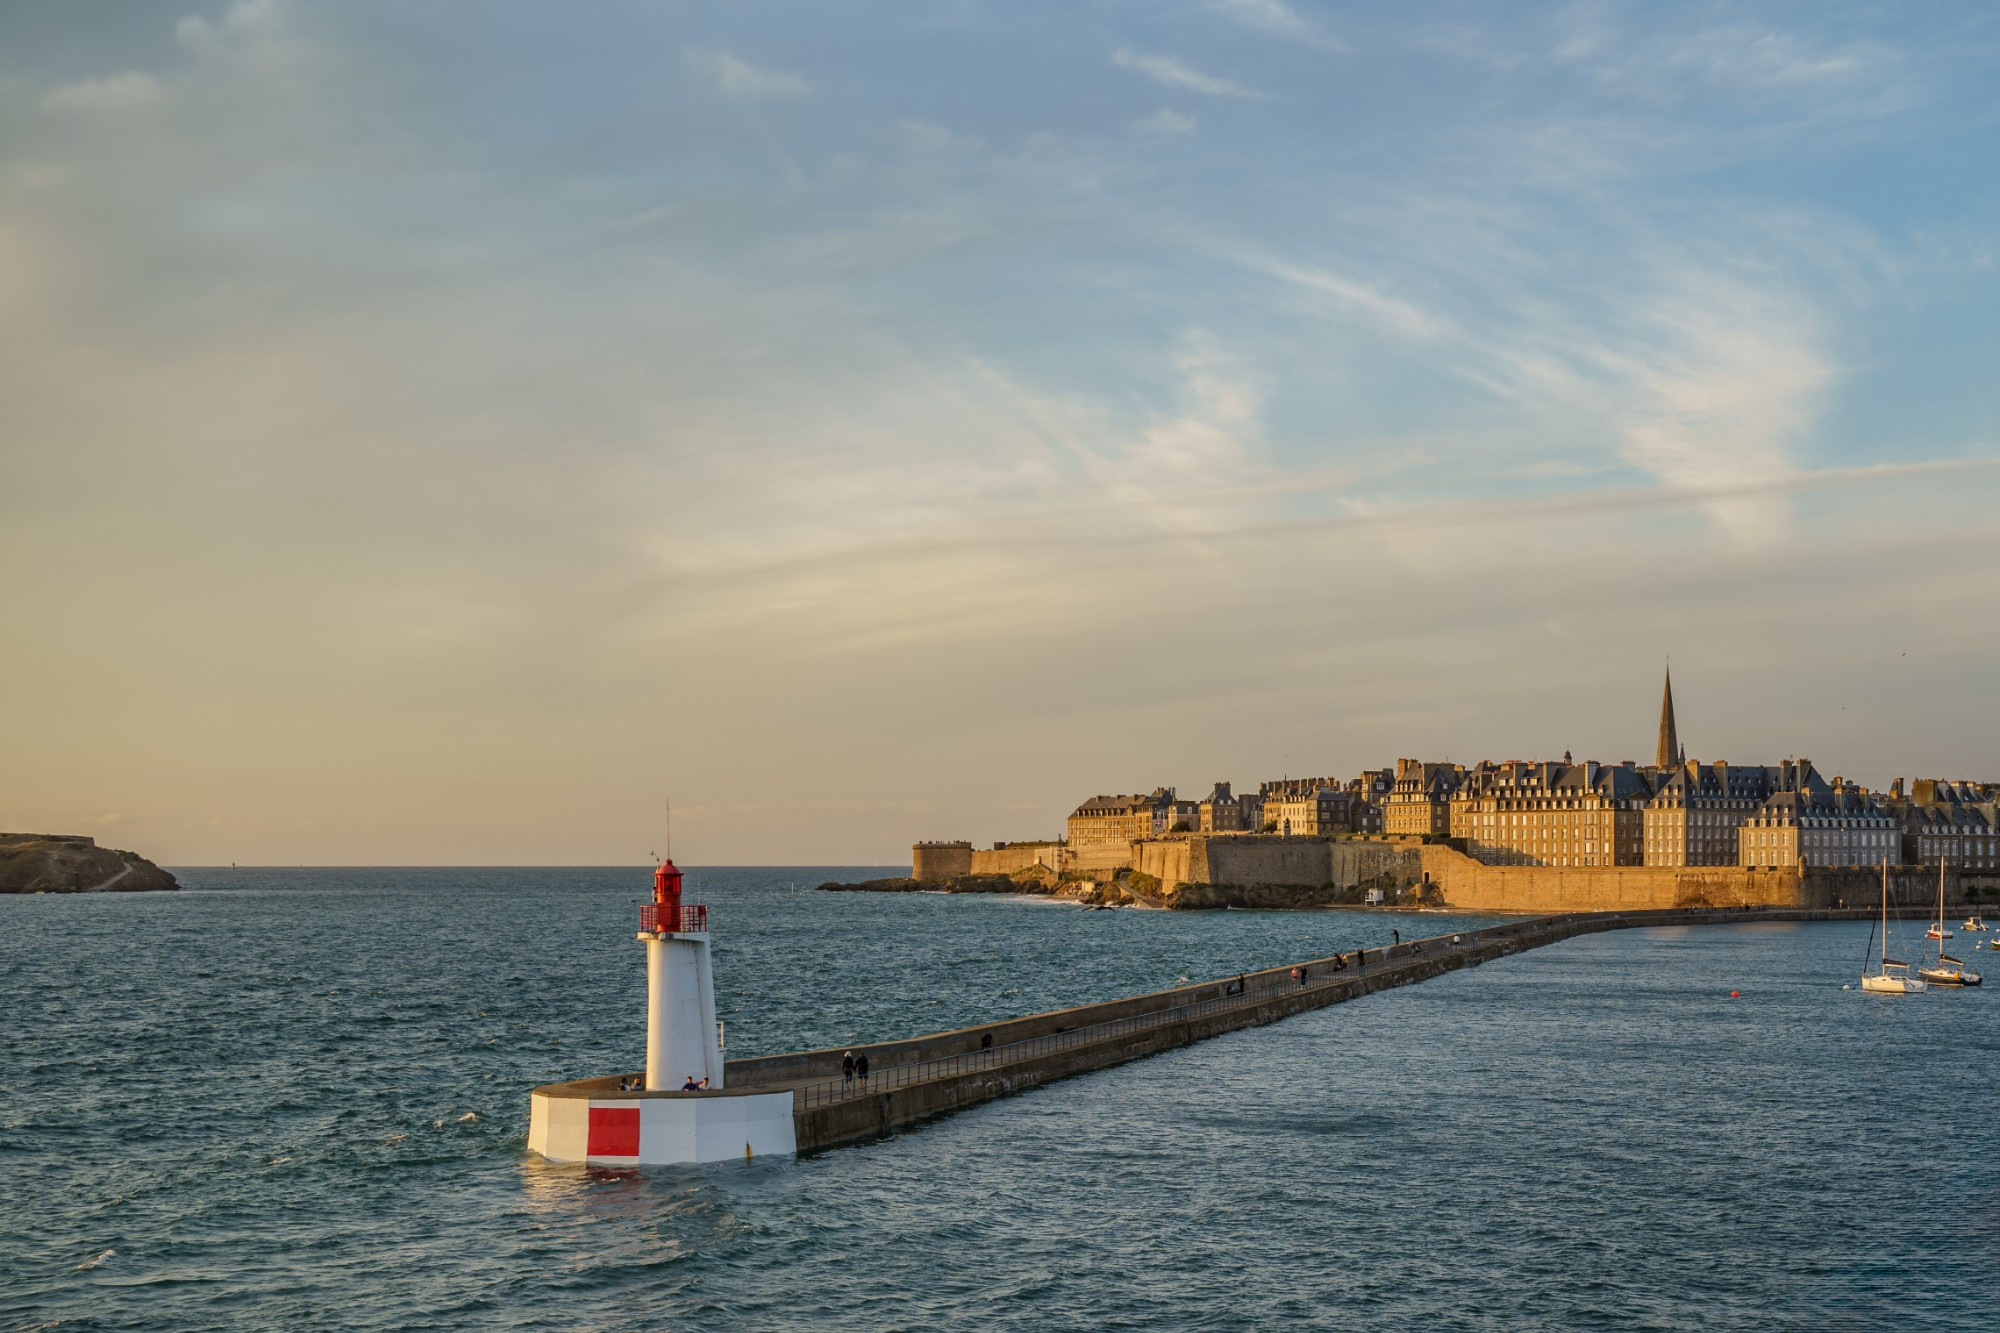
<point>1894,978</point>
<point>1948,971</point>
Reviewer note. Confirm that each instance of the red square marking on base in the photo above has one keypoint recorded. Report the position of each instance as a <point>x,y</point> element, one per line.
<point>614,1131</point>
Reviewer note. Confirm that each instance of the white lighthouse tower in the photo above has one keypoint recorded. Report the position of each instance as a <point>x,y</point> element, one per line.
<point>682,1041</point>
<point>627,1120</point>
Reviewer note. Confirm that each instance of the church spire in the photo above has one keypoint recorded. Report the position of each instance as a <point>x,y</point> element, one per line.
<point>1670,743</point>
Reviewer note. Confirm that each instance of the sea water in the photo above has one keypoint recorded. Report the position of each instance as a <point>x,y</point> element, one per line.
<point>299,1099</point>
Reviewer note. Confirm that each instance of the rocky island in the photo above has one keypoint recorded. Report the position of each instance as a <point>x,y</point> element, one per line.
<point>67,863</point>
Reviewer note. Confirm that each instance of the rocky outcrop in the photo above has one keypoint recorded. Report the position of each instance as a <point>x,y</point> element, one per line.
<point>56,863</point>
<point>1126,888</point>
<point>1278,897</point>
<point>953,884</point>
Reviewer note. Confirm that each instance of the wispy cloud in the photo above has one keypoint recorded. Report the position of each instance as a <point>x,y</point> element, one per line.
<point>1762,58</point>
<point>1722,396</point>
<point>114,92</point>
<point>1392,312</point>
<point>739,78</point>
<point>1213,441</point>
<point>1165,121</point>
<point>254,36</point>
<point>1474,45</point>
<point>1174,74</point>
<point>1278,19</point>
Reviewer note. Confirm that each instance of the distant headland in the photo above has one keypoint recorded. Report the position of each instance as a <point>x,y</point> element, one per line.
<point>68,863</point>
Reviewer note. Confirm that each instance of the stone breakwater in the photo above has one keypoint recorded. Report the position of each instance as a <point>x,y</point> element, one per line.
<point>61,863</point>
<point>923,1077</point>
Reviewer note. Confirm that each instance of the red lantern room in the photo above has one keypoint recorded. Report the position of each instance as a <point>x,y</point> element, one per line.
<point>665,914</point>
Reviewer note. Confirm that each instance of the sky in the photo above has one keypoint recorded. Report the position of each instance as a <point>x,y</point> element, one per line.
<point>445,433</point>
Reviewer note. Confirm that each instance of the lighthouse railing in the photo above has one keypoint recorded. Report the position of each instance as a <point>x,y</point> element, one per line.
<point>692,919</point>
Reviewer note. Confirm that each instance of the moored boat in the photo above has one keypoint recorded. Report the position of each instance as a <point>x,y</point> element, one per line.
<point>1892,976</point>
<point>1946,971</point>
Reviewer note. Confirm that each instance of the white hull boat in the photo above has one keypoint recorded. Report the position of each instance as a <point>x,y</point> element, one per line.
<point>1946,970</point>
<point>1892,976</point>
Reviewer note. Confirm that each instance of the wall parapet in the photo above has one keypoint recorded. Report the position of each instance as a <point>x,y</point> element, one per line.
<point>1440,874</point>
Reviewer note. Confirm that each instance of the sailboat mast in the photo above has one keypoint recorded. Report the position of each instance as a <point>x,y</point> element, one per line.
<point>1885,914</point>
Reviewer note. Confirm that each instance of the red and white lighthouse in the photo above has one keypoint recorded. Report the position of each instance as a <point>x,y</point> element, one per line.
<point>682,1041</point>
<point>614,1121</point>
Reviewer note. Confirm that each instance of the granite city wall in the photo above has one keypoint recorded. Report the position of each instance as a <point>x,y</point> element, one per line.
<point>1016,856</point>
<point>1442,876</point>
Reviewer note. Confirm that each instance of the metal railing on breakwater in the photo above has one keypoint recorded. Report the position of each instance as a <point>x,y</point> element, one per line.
<point>994,1057</point>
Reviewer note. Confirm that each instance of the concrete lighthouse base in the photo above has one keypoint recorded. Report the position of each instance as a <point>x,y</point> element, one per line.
<point>591,1121</point>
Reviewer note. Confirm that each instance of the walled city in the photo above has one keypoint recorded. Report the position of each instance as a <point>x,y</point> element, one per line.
<point>1529,836</point>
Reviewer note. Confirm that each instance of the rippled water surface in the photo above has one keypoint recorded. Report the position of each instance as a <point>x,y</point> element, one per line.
<point>298,1098</point>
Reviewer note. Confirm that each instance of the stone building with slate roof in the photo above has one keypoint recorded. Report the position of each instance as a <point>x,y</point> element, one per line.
<point>1101,831</point>
<point>1809,823</point>
<point>1419,798</point>
<point>1957,823</point>
<point>1552,814</point>
<point>1697,808</point>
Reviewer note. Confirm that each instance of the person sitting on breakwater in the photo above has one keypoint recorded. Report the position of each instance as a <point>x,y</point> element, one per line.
<point>986,1042</point>
<point>1304,972</point>
<point>847,1069</point>
<point>1339,963</point>
<point>1295,976</point>
<point>690,1085</point>
<point>861,1068</point>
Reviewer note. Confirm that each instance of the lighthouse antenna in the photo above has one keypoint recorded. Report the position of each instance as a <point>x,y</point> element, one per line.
<point>670,828</point>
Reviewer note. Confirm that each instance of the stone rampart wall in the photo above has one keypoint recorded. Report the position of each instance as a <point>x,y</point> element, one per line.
<point>1099,856</point>
<point>1457,880</point>
<point>1444,876</point>
<point>1461,881</point>
<point>1016,856</point>
<point>1257,860</point>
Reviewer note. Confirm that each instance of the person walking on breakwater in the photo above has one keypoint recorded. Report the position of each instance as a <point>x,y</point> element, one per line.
<point>861,1068</point>
<point>1295,976</point>
<point>847,1069</point>
<point>1396,935</point>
